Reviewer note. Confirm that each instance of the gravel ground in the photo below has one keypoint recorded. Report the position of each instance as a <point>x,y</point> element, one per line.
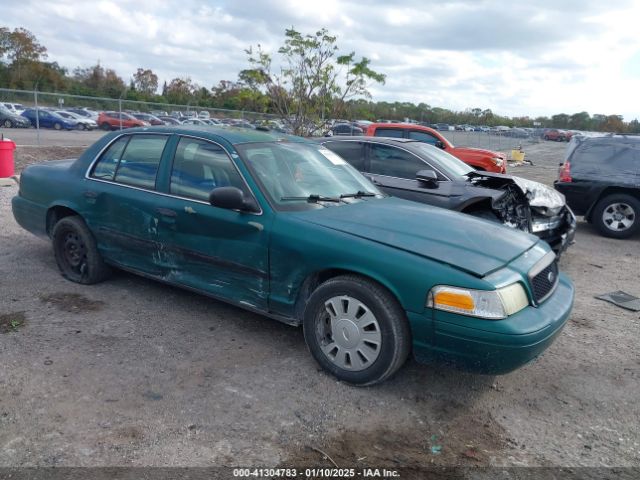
<point>132,372</point>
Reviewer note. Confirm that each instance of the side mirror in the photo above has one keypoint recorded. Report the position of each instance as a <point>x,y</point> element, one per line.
<point>440,144</point>
<point>428,177</point>
<point>231,198</point>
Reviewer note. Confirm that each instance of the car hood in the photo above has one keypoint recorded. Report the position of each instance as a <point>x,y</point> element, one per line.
<point>467,243</point>
<point>478,152</point>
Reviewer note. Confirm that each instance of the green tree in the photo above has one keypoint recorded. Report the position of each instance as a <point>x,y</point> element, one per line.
<point>145,81</point>
<point>314,82</point>
<point>181,91</point>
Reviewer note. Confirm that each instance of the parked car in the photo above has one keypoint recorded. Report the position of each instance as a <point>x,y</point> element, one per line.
<point>146,117</point>
<point>16,108</point>
<point>517,133</point>
<point>280,226</point>
<point>416,171</point>
<point>83,123</point>
<point>194,121</point>
<point>345,129</point>
<point>204,115</point>
<point>159,113</point>
<point>117,120</point>
<point>8,119</point>
<point>167,120</point>
<point>442,126</point>
<point>85,113</point>
<point>555,135</point>
<point>47,119</point>
<point>478,158</point>
<point>600,178</point>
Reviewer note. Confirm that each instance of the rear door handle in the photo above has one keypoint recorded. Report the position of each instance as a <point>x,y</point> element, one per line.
<point>166,212</point>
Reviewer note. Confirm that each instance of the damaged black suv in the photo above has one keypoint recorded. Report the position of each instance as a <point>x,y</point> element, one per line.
<point>600,178</point>
<point>420,172</point>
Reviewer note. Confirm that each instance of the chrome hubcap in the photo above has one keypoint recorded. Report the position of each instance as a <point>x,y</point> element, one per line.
<point>349,334</point>
<point>618,216</point>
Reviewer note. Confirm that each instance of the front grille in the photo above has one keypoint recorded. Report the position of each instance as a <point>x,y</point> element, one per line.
<point>543,283</point>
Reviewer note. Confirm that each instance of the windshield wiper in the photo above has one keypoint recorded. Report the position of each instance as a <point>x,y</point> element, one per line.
<point>358,194</point>
<point>313,198</point>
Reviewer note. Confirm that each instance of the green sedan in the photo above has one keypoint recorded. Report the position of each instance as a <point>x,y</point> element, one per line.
<point>286,228</point>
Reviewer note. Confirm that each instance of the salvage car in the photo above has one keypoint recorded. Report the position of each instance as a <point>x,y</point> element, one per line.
<point>600,177</point>
<point>46,119</point>
<point>9,119</point>
<point>423,173</point>
<point>280,226</point>
<point>480,159</point>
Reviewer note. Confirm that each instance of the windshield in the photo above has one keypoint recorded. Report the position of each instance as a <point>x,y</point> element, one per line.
<point>451,165</point>
<point>299,175</point>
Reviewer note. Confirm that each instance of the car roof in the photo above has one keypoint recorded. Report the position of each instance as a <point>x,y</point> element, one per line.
<point>387,140</point>
<point>233,135</point>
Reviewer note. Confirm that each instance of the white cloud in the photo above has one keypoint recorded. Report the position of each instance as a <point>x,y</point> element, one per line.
<point>515,58</point>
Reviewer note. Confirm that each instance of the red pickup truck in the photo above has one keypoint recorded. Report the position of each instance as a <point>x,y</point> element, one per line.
<point>479,159</point>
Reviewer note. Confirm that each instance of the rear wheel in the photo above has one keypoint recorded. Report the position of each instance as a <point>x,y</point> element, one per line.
<point>7,123</point>
<point>546,137</point>
<point>76,252</point>
<point>616,215</point>
<point>356,330</point>
<point>105,126</point>
<point>57,126</point>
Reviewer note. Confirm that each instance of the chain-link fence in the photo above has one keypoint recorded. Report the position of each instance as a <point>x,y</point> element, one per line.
<point>493,139</point>
<point>43,132</point>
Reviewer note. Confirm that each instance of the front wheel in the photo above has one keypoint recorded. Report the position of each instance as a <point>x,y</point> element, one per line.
<point>356,330</point>
<point>616,215</point>
<point>105,126</point>
<point>7,123</point>
<point>76,252</point>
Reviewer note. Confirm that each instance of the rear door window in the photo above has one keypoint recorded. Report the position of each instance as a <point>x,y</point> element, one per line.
<point>352,152</point>
<point>139,163</point>
<point>390,132</point>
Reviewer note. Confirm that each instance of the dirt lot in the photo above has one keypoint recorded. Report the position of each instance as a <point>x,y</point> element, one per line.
<point>131,372</point>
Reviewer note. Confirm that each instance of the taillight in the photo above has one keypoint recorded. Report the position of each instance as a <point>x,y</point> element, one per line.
<point>565,172</point>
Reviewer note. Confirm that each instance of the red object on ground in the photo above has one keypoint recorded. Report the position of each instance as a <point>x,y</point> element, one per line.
<point>7,165</point>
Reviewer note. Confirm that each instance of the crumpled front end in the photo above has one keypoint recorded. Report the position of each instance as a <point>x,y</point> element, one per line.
<point>532,207</point>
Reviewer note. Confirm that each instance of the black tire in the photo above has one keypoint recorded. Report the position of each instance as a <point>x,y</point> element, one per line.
<point>390,325</point>
<point>608,207</point>
<point>105,126</point>
<point>546,137</point>
<point>7,123</point>
<point>76,253</point>
<point>57,126</point>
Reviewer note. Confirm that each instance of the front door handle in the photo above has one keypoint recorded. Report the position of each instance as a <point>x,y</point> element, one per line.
<point>166,212</point>
<point>90,194</point>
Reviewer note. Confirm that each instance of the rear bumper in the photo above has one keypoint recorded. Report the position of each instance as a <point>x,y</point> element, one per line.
<point>30,216</point>
<point>489,351</point>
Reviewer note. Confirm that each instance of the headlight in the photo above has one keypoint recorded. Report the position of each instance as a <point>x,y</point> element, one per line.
<point>489,304</point>
<point>497,160</point>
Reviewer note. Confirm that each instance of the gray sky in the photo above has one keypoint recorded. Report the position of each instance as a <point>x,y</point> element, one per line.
<point>517,58</point>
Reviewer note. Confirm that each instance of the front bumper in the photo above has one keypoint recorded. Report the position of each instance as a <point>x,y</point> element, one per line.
<point>560,237</point>
<point>492,346</point>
